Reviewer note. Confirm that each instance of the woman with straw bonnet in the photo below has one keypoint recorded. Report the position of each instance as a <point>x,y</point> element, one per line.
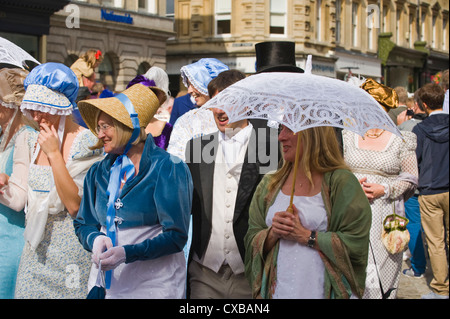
<point>319,248</point>
<point>16,145</point>
<point>53,263</point>
<point>135,211</point>
<point>386,166</point>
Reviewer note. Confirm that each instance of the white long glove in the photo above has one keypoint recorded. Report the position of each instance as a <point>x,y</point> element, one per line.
<point>101,243</point>
<point>113,257</point>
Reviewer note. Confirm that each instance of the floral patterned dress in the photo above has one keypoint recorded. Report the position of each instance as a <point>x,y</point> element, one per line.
<point>58,267</point>
<point>395,167</point>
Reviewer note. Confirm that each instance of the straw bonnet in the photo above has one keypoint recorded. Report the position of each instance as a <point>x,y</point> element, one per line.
<point>50,88</point>
<point>276,56</point>
<point>11,87</point>
<point>383,94</point>
<point>145,100</point>
<point>200,73</point>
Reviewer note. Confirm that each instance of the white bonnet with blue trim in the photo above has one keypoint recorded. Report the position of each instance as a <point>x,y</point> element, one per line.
<point>50,88</point>
<point>200,73</point>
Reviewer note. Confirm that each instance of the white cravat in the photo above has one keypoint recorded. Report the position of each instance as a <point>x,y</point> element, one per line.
<point>232,145</point>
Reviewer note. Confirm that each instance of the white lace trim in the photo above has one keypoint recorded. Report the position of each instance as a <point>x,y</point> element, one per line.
<point>27,106</point>
<point>10,53</point>
<point>8,105</point>
<point>187,77</point>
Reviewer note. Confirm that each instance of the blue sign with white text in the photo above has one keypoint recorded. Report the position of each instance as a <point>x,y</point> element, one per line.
<point>111,16</point>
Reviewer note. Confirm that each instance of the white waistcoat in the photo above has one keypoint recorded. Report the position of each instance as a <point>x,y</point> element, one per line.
<point>222,247</point>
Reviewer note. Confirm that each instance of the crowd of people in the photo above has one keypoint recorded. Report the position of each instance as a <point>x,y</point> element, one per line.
<point>113,185</point>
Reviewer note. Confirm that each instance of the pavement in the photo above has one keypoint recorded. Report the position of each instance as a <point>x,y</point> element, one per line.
<point>414,288</point>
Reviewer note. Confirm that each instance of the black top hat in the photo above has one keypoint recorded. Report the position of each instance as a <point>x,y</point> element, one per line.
<point>276,56</point>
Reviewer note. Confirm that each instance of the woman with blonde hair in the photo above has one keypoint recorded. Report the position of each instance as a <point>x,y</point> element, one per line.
<point>319,249</point>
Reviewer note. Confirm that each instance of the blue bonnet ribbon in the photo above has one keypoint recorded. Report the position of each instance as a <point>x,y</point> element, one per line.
<point>57,77</point>
<point>121,172</point>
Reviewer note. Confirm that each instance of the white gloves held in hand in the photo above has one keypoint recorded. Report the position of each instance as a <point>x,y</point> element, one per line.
<point>110,256</point>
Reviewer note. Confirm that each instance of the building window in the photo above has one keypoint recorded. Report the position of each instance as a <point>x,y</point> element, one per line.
<point>113,3</point>
<point>29,43</point>
<point>278,17</point>
<point>223,17</point>
<point>143,68</point>
<point>398,26</point>
<point>370,40</point>
<point>318,20</point>
<point>423,18</point>
<point>107,72</point>
<point>70,59</point>
<point>338,20</point>
<point>412,23</point>
<point>445,34</point>
<point>434,32</point>
<point>170,8</point>
<point>372,23</point>
<point>355,7</point>
<point>384,27</point>
<point>149,6</point>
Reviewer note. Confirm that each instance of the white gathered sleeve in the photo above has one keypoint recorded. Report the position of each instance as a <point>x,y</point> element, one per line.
<point>15,193</point>
<point>406,183</point>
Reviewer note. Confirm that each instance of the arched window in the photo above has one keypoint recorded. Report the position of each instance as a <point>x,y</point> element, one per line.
<point>143,67</point>
<point>70,59</point>
<point>107,71</point>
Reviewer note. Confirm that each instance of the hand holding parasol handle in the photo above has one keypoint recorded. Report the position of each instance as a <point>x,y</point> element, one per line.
<point>297,155</point>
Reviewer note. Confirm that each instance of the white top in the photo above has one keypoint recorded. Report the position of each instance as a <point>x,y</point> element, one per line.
<point>300,270</point>
<point>15,193</point>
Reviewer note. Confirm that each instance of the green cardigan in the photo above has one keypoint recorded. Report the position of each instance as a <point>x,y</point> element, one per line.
<point>344,246</point>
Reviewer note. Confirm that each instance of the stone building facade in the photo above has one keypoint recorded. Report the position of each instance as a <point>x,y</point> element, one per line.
<point>131,34</point>
<point>398,42</point>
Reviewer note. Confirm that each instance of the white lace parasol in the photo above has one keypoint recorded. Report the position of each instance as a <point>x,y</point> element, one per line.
<point>12,54</point>
<point>301,101</point>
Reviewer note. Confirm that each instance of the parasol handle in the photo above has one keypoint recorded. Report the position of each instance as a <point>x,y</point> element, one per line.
<point>297,155</point>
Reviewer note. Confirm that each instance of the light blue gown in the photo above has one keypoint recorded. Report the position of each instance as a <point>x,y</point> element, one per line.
<point>12,226</point>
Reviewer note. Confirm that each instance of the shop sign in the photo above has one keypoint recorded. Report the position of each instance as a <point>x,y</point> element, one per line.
<point>323,69</point>
<point>111,16</point>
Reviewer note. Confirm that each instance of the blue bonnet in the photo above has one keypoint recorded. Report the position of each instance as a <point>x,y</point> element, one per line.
<point>50,88</point>
<point>200,73</point>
